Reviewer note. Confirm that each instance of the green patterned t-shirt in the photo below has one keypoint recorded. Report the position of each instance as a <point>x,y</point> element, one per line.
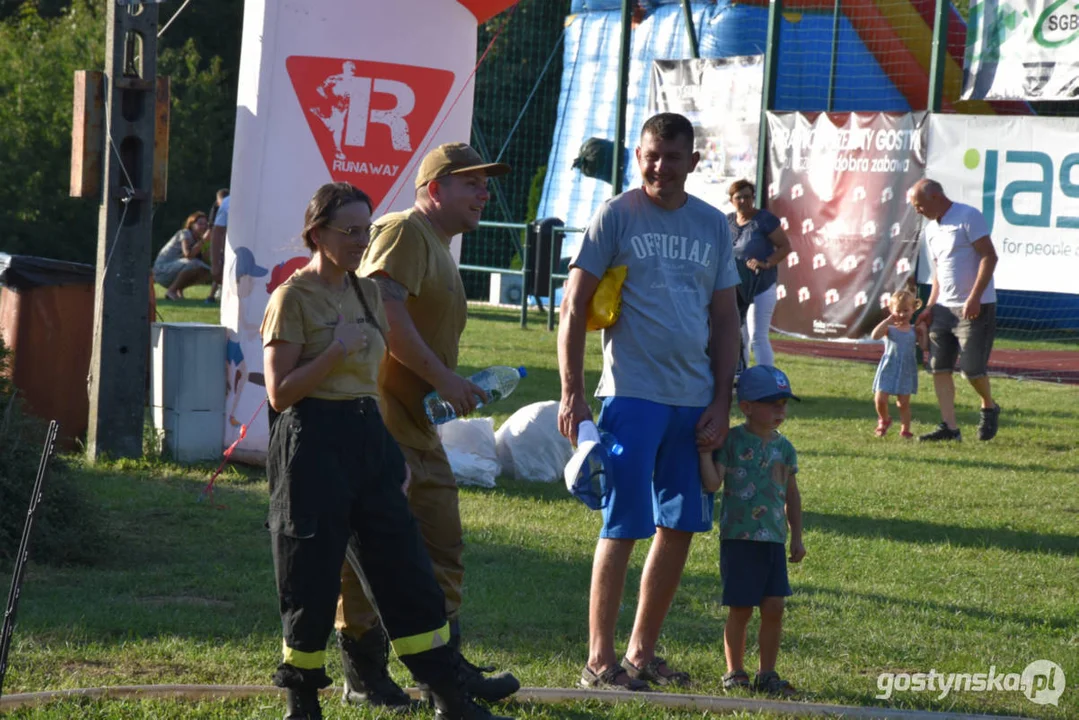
<point>755,475</point>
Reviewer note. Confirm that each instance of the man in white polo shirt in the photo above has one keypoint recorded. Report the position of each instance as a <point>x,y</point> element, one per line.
<point>961,312</point>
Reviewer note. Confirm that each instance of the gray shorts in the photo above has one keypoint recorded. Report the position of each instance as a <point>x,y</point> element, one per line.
<point>165,274</point>
<point>952,337</point>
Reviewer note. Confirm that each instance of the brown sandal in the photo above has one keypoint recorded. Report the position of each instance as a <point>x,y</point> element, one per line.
<point>613,678</point>
<point>736,680</point>
<point>653,671</point>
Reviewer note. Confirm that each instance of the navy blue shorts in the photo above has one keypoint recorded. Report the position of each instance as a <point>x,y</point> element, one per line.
<point>752,571</point>
<point>656,481</point>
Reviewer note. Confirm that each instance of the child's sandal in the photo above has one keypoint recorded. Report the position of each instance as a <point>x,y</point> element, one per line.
<point>906,435</point>
<point>770,683</point>
<point>882,427</point>
<point>736,680</point>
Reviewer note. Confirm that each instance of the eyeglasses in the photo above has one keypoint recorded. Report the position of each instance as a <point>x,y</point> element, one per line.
<point>742,196</point>
<point>353,231</point>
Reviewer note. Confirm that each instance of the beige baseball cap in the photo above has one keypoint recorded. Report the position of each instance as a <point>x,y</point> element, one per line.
<point>454,158</point>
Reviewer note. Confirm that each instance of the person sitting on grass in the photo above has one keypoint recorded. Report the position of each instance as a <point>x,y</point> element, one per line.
<point>179,265</point>
<point>757,469</point>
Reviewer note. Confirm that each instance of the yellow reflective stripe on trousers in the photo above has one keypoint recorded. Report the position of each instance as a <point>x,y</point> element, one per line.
<point>414,644</point>
<point>301,659</point>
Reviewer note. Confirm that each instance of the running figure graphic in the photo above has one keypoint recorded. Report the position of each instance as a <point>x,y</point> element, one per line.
<point>350,94</point>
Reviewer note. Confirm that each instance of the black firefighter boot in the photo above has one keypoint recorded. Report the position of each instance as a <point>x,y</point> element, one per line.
<point>367,681</point>
<point>441,672</point>
<point>478,682</point>
<point>302,686</point>
<point>303,704</point>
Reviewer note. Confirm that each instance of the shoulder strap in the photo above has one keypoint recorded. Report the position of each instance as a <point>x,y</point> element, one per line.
<point>370,316</point>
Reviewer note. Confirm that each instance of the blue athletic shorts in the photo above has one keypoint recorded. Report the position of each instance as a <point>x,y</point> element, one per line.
<point>752,571</point>
<point>656,481</point>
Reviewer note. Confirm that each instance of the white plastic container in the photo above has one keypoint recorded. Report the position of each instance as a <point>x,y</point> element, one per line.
<point>187,389</point>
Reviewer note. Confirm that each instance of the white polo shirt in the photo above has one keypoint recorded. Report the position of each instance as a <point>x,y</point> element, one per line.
<point>950,241</point>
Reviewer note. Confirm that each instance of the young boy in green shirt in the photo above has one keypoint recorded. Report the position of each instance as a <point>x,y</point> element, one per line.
<point>757,470</point>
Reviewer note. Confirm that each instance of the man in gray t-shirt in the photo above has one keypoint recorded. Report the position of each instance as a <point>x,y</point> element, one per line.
<point>961,310</point>
<point>668,368</point>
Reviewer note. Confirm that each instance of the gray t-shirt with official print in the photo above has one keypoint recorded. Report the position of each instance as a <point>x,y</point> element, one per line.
<point>658,348</point>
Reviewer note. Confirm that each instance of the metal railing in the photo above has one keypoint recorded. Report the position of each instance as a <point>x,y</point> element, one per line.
<point>552,276</point>
<point>525,269</point>
<point>523,272</point>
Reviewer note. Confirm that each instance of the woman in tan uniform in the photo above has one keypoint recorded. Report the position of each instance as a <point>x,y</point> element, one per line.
<point>336,474</point>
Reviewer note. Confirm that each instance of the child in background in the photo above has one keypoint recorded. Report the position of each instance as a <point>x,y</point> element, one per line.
<point>897,373</point>
<point>757,470</point>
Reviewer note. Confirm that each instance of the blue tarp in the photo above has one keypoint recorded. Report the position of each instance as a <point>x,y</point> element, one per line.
<point>590,79</point>
<point>590,87</point>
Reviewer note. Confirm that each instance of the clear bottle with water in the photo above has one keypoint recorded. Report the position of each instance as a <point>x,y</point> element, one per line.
<point>587,430</point>
<point>610,442</point>
<point>498,381</point>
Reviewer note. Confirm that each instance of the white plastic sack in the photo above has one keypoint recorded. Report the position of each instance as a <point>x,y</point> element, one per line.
<point>529,445</point>
<point>470,447</point>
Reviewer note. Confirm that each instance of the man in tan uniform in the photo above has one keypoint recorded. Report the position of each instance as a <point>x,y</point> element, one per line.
<point>409,257</point>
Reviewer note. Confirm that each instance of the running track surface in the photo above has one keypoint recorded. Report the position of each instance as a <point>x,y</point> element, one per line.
<point>1054,365</point>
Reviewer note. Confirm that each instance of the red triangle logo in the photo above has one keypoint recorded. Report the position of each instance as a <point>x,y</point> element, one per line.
<point>368,118</point>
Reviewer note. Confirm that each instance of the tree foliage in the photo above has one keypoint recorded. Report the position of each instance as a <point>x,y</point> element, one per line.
<point>65,527</point>
<point>38,57</point>
<point>203,115</point>
<point>41,46</point>
<point>43,42</point>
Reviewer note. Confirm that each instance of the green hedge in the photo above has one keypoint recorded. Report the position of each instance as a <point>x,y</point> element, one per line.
<point>65,525</point>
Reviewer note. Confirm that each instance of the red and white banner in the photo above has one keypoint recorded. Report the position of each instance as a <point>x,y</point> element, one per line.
<point>330,90</point>
<point>838,183</point>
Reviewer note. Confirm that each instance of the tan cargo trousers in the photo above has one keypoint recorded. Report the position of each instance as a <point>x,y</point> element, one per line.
<point>432,496</point>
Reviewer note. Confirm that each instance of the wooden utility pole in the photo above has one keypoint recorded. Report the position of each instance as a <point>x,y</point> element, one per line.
<point>118,363</point>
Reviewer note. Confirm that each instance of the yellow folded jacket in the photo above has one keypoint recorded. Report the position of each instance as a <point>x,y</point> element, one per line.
<point>607,301</point>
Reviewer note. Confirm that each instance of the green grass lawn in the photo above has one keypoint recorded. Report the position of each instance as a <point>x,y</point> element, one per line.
<point>951,558</point>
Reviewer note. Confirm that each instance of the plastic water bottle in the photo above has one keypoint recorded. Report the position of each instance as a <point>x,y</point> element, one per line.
<point>498,381</point>
<point>611,443</point>
<point>587,430</point>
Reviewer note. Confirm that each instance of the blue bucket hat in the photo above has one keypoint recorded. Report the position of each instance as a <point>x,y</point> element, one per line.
<point>246,265</point>
<point>588,473</point>
<point>764,383</point>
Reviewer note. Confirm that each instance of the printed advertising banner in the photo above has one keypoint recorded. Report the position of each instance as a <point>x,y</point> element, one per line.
<point>722,98</point>
<point>1023,174</point>
<point>354,91</point>
<point>838,183</point>
<point>1022,50</point>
